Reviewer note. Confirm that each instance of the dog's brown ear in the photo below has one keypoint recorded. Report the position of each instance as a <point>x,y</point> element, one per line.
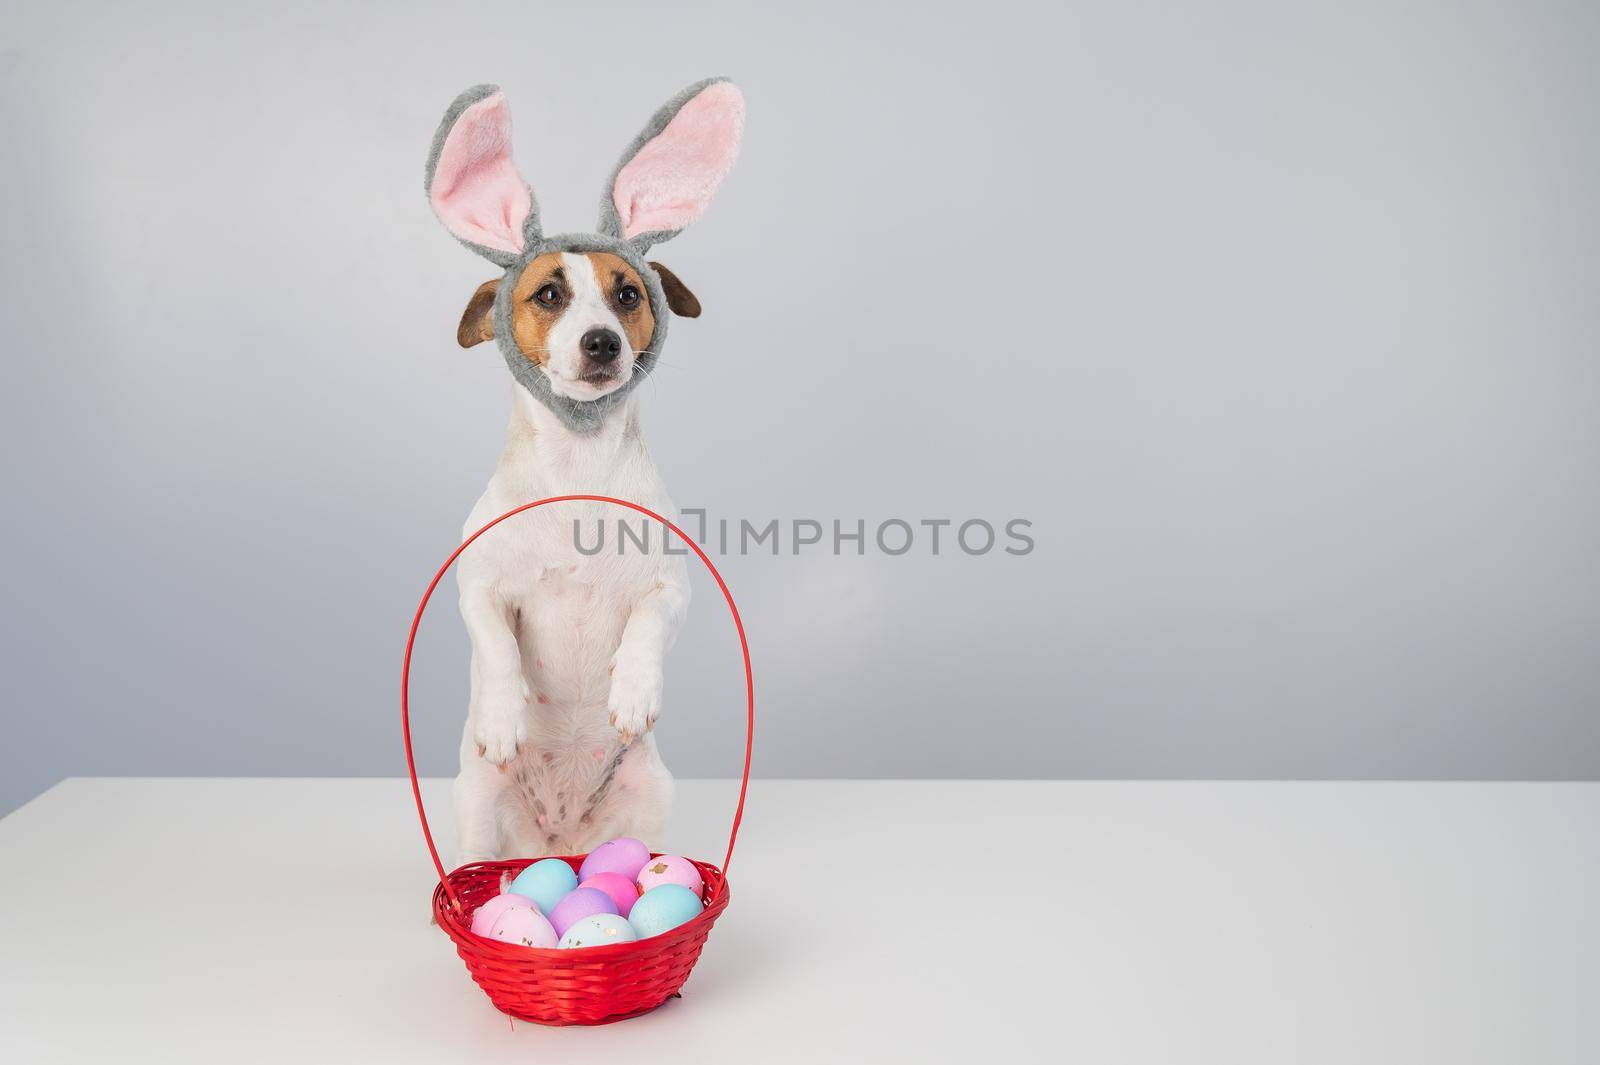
<point>477,323</point>
<point>679,298</point>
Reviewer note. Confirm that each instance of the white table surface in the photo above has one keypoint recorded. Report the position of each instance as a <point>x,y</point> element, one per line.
<point>874,921</point>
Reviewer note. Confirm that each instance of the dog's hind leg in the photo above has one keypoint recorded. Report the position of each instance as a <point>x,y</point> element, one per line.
<point>478,790</point>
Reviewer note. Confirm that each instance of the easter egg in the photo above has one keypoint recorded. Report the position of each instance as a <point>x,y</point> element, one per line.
<point>598,930</point>
<point>485,916</point>
<point>524,925</point>
<point>626,856</point>
<point>546,882</point>
<point>662,909</point>
<point>671,869</point>
<point>624,892</point>
<point>584,902</point>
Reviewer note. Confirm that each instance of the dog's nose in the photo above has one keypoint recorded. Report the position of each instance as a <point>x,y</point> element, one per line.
<point>601,345</point>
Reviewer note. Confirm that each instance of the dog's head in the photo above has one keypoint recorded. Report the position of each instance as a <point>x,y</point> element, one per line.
<point>580,317</point>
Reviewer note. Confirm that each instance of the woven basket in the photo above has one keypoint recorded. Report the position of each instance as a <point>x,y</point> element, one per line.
<point>594,985</point>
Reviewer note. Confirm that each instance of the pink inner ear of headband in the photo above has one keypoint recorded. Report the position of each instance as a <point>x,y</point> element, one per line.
<point>477,192</point>
<point>670,181</point>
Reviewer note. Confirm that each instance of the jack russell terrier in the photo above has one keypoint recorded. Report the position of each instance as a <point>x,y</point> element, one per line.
<point>567,649</point>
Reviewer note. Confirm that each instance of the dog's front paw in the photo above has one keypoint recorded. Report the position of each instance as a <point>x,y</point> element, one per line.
<point>635,701</point>
<point>500,725</point>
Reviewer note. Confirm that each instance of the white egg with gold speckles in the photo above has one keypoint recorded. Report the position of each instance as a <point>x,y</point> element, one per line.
<point>598,930</point>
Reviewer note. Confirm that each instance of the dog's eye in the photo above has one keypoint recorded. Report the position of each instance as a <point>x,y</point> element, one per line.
<point>628,296</point>
<point>549,295</point>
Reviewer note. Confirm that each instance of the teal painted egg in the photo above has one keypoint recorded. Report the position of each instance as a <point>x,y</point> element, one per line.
<point>546,882</point>
<point>598,930</point>
<point>662,909</point>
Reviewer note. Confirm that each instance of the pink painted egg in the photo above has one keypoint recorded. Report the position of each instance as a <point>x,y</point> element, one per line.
<point>581,903</point>
<point>486,915</point>
<point>623,892</point>
<point>526,926</point>
<point>626,856</point>
<point>671,869</point>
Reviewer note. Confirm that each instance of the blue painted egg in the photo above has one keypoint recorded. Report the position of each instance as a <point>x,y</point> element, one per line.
<point>546,882</point>
<point>598,930</point>
<point>662,909</point>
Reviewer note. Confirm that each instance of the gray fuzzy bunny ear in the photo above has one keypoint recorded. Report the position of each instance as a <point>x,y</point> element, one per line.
<point>669,173</point>
<point>472,183</point>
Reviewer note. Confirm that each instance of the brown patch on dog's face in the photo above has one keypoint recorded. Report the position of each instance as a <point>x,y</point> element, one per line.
<point>538,300</point>
<point>627,297</point>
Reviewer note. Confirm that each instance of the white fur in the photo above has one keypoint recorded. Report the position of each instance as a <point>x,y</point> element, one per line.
<point>567,649</point>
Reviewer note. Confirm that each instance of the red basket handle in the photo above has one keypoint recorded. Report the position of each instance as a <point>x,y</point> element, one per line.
<point>416,621</point>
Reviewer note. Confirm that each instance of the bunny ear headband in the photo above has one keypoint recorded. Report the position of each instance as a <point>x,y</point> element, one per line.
<point>664,181</point>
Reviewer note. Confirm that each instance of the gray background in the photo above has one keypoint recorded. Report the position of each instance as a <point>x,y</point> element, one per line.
<point>1280,326</point>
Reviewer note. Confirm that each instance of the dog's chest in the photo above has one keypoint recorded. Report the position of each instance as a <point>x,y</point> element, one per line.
<point>569,605</point>
<point>570,573</point>
<point>584,557</point>
<point>579,550</point>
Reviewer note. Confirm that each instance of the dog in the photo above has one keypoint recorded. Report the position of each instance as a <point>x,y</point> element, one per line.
<point>568,647</point>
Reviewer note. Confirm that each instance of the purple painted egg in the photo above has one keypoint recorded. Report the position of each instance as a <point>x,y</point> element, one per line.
<point>486,915</point>
<point>626,856</point>
<point>623,892</point>
<point>671,869</point>
<point>581,903</point>
<point>525,926</point>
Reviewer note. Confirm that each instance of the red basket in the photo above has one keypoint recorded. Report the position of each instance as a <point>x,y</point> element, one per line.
<point>595,985</point>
